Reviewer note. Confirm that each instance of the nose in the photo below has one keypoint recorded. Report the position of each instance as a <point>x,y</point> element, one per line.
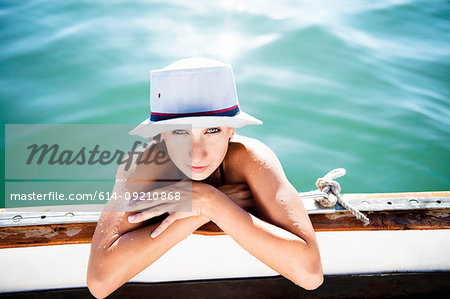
<point>198,151</point>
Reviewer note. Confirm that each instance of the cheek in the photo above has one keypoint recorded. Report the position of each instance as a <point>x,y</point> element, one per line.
<point>177,150</point>
<point>218,148</point>
<point>179,144</point>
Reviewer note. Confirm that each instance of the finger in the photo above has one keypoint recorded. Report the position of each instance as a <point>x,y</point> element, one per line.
<point>138,203</point>
<point>164,224</point>
<point>248,203</point>
<point>230,189</point>
<point>225,190</point>
<point>137,206</point>
<point>245,203</point>
<point>243,194</point>
<point>145,215</point>
<point>243,186</point>
<point>238,188</point>
<point>141,205</point>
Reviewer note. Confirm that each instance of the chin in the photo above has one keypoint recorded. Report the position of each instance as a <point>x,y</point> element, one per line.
<point>198,176</point>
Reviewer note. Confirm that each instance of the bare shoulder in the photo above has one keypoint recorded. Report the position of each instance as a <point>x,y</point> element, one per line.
<point>253,155</point>
<point>244,147</point>
<point>276,200</point>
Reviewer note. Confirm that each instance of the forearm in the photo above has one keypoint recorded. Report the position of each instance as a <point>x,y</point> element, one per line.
<point>132,252</point>
<point>283,251</point>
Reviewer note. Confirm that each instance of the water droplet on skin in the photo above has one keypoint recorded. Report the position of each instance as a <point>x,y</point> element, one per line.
<point>102,231</point>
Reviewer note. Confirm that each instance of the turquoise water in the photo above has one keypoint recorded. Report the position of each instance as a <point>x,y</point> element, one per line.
<point>362,85</point>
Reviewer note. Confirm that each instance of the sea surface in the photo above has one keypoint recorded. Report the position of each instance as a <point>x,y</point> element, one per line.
<point>363,85</point>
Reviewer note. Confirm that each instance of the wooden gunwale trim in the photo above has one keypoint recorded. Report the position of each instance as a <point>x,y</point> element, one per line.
<point>78,233</point>
<point>399,195</point>
<point>49,234</point>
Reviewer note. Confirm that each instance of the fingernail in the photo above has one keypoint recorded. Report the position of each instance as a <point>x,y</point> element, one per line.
<point>131,218</point>
<point>154,234</point>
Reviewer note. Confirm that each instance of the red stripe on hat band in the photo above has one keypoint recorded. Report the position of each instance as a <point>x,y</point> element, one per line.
<point>194,113</point>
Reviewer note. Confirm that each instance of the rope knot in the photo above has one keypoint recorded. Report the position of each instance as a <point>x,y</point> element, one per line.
<point>327,184</point>
<point>331,187</point>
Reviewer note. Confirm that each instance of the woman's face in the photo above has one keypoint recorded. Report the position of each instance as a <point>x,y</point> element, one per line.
<point>198,152</point>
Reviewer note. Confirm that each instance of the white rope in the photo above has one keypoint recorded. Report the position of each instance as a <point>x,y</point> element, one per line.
<point>327,184</point>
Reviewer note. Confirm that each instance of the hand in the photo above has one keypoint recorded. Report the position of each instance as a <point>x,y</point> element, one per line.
<point>240,194</point>
<point>191,196</point>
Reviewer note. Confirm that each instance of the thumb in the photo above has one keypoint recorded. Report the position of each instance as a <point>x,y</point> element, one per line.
<point>164,224</point>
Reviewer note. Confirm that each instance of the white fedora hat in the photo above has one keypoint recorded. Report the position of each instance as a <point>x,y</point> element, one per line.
<point>194,91</point>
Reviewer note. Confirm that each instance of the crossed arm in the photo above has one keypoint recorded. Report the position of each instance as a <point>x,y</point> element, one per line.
<point>123,249</point>
<point>284,240</point>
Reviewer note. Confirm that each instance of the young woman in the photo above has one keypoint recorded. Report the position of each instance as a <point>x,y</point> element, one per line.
<point>225,175</point>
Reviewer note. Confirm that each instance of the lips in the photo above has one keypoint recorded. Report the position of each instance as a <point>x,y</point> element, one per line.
<point>199,168</point>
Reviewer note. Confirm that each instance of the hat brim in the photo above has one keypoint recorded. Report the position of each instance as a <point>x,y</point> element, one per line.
<point>149,128</point>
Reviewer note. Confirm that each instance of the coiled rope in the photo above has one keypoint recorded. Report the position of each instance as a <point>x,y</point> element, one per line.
<point>327,184</point>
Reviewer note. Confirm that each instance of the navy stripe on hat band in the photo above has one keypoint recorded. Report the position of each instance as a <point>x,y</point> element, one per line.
<point>232,111</point>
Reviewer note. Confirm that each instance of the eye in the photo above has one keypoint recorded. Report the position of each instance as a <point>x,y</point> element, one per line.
<point>179,132</point>
<point>213,130</point>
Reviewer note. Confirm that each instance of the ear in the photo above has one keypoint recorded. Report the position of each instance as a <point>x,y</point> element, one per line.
<point>232,130</point>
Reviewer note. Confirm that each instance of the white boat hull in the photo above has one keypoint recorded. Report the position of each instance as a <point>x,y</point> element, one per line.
<point>212,257</point>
